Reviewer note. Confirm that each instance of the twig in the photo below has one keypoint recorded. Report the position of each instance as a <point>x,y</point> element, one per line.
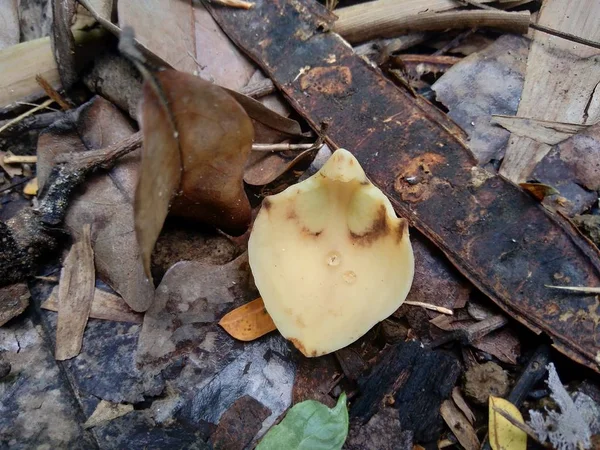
<point>35,104</point>
<point>521,426</point>
<point>234,3</point>
<point>542,28</point>
<point>454,42</point>
<point>26,114</point>
<point>439,309</point>
<point>258,89</point>
<point>473,332</point>
<point>18,183</point>
<point>384,19</point>
<point>567,36</point>
<point>283,147</point>
<point>70,170</point>
<point>586,290</point>
<point>52,93</point>
<point>18,159</point>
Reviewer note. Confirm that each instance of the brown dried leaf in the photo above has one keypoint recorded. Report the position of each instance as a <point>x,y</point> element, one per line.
<point>106,200</point>
<point>75,294</point>
<point>12,170</point>
<point>263,168</point>
<point>199,148</point>
<point>459,425</point>
<point>105,306</point>
<point>248,322</point>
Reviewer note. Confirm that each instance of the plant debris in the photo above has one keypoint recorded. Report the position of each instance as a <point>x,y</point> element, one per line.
<point>309,425</point>
<point>75,295</point>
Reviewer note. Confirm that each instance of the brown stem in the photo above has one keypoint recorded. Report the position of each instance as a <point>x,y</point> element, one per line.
<point>369,21</point>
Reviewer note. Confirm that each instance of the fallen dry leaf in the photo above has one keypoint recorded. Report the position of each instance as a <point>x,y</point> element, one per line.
<point>248,322</point>
<point>539,190</point>
<point>485,83</point>
<point>196,151</point>
<point>106,199</point>
<point>105,306</point>
<point>105,412</point>
<point>459,425</point>
<point>31,188</point>
<point>75,294</point>
<point>503,434</point>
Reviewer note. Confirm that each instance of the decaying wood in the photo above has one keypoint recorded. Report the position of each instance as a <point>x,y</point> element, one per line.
<point>386,19</point>
<point>561,83</point>
<point>19,65</point>
<point>404,372</point>
<point>75,295</point>
<point>496,234</point>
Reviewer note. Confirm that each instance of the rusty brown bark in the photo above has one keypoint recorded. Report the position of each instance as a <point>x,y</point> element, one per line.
<point>508,245</point>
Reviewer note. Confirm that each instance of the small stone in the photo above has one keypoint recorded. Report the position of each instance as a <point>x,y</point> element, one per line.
<point>484,380</point>
<point>14,299</point>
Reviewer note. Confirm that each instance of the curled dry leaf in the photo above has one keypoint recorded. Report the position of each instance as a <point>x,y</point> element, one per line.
<point>339,231</point>
<point>503,434</point>
<point>194,153</point>
<point>249,321</point>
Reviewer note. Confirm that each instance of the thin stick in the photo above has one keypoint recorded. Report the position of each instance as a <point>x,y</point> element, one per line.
<point>258,89</point>
<point>439,309</point>
<point>26,114</point>
<point>234,3</point>
<point>384,19</point>
<point>567,36</point>
<point>282,147</point>
<point>18,159</point>
<point>52,93</point>
<point>521,426</point>
<point>587,290</point>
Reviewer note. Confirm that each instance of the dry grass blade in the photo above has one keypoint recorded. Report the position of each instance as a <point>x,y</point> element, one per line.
<point>75,295</point>
<point>234,3</point>
<point>439,309</point>
<point>583,289</point>
<point>248,322</point>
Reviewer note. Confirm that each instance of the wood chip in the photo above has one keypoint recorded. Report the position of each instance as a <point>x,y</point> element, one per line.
<point>105,306</point>
<point>14,299</point>
<point>459,425</point>
<point>75,294</point>
<point>462,405</point>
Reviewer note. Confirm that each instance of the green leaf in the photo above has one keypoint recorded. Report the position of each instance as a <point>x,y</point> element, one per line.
<point>309,425</point>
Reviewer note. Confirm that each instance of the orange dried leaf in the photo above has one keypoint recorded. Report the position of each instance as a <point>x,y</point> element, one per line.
<point>248,322</point>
